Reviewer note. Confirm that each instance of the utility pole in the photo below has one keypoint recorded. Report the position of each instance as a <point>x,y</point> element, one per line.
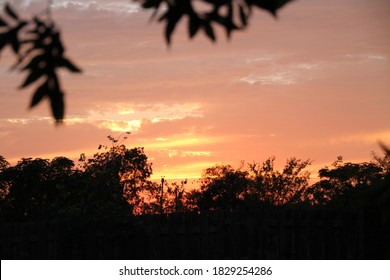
<point>162,194</point>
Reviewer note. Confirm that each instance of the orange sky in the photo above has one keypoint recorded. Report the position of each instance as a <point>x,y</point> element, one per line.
<point>313,84</point>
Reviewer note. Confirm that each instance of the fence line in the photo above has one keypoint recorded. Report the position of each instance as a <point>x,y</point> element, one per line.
<point>272,234</point>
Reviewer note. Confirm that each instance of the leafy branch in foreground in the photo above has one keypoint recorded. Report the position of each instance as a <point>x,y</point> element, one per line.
<point>205,14</point>
<point>40,52</point>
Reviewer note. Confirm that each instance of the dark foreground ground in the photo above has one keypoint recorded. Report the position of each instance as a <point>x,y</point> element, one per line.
<point>260,234</point>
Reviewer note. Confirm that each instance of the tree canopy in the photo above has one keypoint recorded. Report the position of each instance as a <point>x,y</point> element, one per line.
<point>115,184</point>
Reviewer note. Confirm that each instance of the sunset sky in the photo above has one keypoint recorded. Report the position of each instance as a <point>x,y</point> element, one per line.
<point>315,83</point>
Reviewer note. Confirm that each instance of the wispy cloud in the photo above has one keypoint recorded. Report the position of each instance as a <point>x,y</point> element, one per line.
<point>177,153</point>
<point>184,141</point>
<point>23,121</point>
<point>163,119</point>
<point>273,69</point>
<point>305,66</point>
<point>282,78</point>
<point>365,138</point>
<point>195,154</point>
<point>264,58</point>
<point>365,57</point>
<point>123,117</point>
<point>182,154</point>
<point>120,126</point>
<point>117,7</point>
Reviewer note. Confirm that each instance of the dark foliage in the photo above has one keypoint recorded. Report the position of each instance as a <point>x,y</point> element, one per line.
<point>115,184</point>
<point>111,185</point>
<point>222,187</point>
<point>204,15</point>
<point>40,52</point>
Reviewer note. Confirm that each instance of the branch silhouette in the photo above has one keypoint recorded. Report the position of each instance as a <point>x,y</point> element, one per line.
<point>204,15</point>
<point>40,52</point>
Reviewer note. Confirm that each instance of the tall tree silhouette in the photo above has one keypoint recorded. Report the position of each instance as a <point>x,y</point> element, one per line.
<point>222,187</point>
<point>279,188</point>
<point>29,189</point>
<point>120,174</point>
<point>347,184</point>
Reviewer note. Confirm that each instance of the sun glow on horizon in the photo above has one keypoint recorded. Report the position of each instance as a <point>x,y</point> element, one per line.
<point>185,141</point>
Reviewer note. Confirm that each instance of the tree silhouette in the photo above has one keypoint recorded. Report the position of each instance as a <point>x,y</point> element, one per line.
<point>3,163</point>
<point>351,185</point>
<point>29,189</point>
<point>121,174</point>
<point>112,184</point>
<point>4,188</point>
<point>222,187</point>
<point>39,50</point>
<point>174,198</point>
<point>92,200</point>
<point>279,188</point>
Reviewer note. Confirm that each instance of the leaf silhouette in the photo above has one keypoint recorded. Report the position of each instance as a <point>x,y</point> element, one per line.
<point>243,16</point>
<point>172,17</point>
<point>11,12</point>
<point>40,53</point>
<point>39,94</point>
<point>57,105</point>
<point>209,31</point>
<point>194,25</point>
<point>151,4</point>
<point>3,40</point>
<point>11,37</point>
<point>57,45</point>
<point>64,62</point>
<point>271,5</point>
<point>2,22</point>
<point>32,77</point>
<point>35,63</point>
<point>15,44</point>
<point>221,12</point>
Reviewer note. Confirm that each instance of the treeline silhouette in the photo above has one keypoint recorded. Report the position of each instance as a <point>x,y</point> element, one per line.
<point>106,207</point>
<point>115,184</point>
